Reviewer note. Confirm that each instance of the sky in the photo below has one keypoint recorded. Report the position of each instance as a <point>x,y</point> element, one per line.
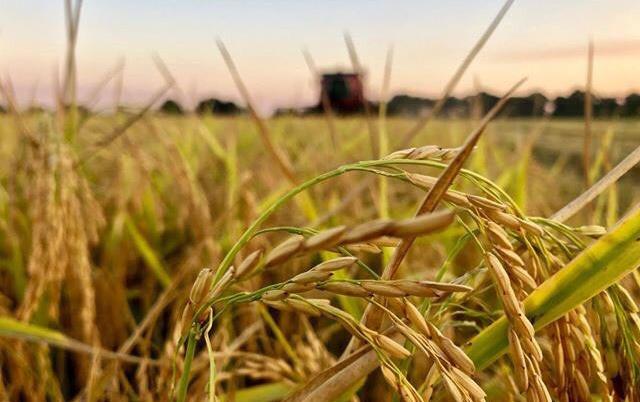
<point>543,40</point>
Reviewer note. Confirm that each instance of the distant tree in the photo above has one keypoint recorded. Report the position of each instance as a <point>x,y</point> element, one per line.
<point>217,106</point>
<point>631,106</point>
<point>572,106</point>
<point>606,107</point>
<point>290,111</point>
<point>171,107</point>
<point>533,105</point>
<point>456,107</point>
<point>2,110</point>
<point>485,100</point>
<point>526,106</point>
<point>409,105</point>
<point>35,109</point>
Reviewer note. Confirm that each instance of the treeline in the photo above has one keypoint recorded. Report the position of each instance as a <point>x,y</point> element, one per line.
<point>533,105</point>
<point>207,106</point>
<point>169,106</point>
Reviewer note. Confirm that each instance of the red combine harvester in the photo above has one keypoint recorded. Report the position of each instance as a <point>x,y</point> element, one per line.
<point>344,91</point>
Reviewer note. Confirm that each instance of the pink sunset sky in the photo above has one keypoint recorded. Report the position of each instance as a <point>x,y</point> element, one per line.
<point>545,41</point>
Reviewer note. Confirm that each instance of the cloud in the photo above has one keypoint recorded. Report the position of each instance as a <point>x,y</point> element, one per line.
<point>608,48</point>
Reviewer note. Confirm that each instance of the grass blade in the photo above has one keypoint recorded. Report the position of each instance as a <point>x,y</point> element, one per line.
<point>12,328</point>
<point>148,254</point>
<point>585,198</point>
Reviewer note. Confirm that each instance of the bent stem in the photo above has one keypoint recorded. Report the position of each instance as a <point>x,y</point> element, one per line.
<point>358,166</point>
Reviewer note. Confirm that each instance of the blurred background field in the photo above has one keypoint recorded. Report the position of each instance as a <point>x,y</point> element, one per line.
<point>173,195</point>
<point>551,147</point>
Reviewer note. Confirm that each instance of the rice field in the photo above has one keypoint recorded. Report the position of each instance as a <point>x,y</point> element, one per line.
<point>176,262</point>
<point>153,257</point>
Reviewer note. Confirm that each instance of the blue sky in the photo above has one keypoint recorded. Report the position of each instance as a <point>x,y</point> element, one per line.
<point>543,40</point>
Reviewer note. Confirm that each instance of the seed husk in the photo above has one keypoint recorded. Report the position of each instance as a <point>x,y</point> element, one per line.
<point>457,198</point>
<point>582,386</point>
<point>474,390</point>
<point>510,256</point>
<point>312,276</point>
<point>485,203</point>
<point>201,286</point>
<point>278,305</point>
<point>454,197</point>
<point>452,388</point>
<point>455,354</point>
<point>532,395</point>
<point>415,288</point>
<point>367,231</point>
<point>422,224</point>
<point>390,377</point>
<point>517,355</point>
<point>386,241</point>
<point>247,265</point>
<point>512,306</point>
<point>298,287</point>
<point>417,319</point>
<point>497,271</point>
<point>523,327</point>
<point>531,227</point>
<point>531,347</point>
<point>503,218</point>
<point>400,154</point>
<point>382,289</point>
<point>424,152</point>
<point>364,248</point>
<point>523,276</point>
<point>303,307</point>
<point>284,251</point>
<point>498,235</point>
<point>392,347</point>
<point>273,295</point>
<point>325,239</point>
<point>606,302</point>
<point>335,264</point>
<point>345,288</point>
<point>558,358</point>
<point>541,390</point>
<point>406,394</point>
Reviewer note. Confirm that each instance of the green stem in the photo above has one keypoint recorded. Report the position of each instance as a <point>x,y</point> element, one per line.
<point>246,236</point>
<point>188,359</point>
